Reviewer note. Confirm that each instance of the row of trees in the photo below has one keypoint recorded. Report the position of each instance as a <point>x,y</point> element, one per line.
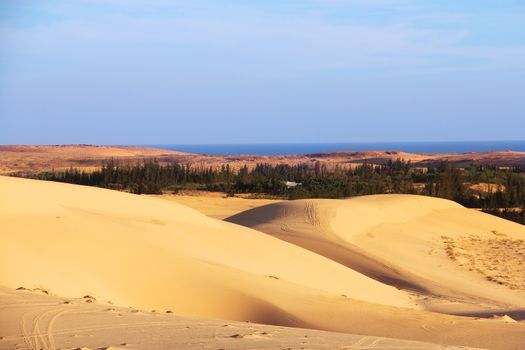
<point>316,181</point>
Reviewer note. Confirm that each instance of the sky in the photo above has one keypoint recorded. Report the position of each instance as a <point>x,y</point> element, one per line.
<point>261,71</point>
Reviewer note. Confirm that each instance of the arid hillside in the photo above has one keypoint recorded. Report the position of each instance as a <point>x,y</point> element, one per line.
<point>31,159</point>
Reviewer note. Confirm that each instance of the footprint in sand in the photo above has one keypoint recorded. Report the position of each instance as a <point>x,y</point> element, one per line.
<point>115,347</point>
<point>89,299</point>
<point>254,335</point>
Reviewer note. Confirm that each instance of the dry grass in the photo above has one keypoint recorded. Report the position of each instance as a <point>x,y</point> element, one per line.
<point>500,259</point>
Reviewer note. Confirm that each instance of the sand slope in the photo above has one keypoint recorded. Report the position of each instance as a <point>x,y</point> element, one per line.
<point>153,254</point>
<point>432,246</point>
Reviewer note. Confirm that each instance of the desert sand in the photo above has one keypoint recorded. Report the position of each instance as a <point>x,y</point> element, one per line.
<point>391,272</point>
<point>217,205</point>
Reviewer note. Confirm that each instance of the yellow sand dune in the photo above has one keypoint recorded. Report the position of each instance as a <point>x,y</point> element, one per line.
<point>429,245</point>
<point>154,254</point>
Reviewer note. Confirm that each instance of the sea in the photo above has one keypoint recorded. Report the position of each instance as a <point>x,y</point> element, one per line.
<point>302,148</point>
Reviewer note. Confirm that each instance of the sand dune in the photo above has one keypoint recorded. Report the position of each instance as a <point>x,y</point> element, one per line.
<point>153,254</point>
<point>433,246</point>
<point>144,251</point>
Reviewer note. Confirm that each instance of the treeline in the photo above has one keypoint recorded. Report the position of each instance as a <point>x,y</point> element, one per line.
<point>506,188</point>
<point>147,178</point>
<point>506,198</point>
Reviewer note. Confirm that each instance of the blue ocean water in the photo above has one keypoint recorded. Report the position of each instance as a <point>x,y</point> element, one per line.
<point>301,148</point>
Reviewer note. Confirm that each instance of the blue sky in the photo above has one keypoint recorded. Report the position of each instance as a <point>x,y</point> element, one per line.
<point>232,71</point>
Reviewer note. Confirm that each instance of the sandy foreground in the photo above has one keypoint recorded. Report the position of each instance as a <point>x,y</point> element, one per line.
<point>380,266</point>
<point>37,321</point>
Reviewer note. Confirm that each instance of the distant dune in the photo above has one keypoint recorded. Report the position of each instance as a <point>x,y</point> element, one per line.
<point>22,158</point>
<point>153,254</point>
